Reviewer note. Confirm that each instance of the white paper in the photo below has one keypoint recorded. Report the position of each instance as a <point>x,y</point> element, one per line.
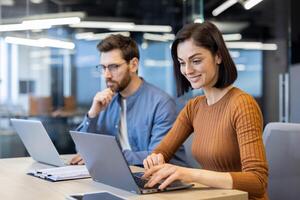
<point>62,173</point>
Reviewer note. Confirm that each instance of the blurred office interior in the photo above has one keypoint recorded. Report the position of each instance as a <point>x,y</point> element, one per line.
<point>48,55</point>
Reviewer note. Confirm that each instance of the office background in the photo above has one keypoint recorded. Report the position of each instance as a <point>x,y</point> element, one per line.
<point>47,72</point>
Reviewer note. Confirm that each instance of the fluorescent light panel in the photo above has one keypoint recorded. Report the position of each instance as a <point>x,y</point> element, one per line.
<point>23,27</point>
<point>251,3</point>
<point>232,37</point>
<point>152,28</point>
<point>107,25</point>
<point>98,36</point>
<point>123,26</point>
<point>53,22</point>
<point>158,37</point>
<point>251,45</point>
<point>198,20</point>
<point>147,28</point>
<point>224,6</point>
<point>39,24</point>
<point>42,42</point>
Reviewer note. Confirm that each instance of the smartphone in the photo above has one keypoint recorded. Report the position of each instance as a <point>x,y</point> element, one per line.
<point>95,196</point>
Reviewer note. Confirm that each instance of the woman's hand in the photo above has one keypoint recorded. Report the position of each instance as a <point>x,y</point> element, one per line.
<point>153,160</point>
<point>166,174</point>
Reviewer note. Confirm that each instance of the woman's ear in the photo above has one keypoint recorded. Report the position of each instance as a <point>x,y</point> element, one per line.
<point>134,64</point>
<point>218,59</point>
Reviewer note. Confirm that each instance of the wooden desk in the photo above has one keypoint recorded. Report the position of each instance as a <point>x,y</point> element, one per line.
<point>15,184</point>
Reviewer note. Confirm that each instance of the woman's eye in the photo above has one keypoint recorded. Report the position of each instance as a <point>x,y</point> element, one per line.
<point>196,62</point>
<point>182,64</point>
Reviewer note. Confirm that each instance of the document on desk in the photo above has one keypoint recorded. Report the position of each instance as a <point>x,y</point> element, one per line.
<point>61,173</point>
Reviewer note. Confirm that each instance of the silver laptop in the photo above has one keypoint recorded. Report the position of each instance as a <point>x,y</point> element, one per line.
<point>106,164</point>
<point>37,142</point>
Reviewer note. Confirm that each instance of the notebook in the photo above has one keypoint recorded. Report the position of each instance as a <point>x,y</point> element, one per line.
<point>106,164</point>
<point>61,173</point>
<point>37,142</point>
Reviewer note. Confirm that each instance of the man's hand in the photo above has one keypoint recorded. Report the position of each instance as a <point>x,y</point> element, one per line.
<point>77,160</point>
<point>100,102</point>
<point>152,160</point>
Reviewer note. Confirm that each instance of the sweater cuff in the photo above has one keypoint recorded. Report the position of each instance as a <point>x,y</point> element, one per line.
<point>247,182</point>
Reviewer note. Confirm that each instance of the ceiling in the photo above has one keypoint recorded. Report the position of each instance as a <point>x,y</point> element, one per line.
<point>256,21</point>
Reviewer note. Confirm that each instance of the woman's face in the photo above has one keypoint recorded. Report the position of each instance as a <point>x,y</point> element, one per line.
<point>198,64</point>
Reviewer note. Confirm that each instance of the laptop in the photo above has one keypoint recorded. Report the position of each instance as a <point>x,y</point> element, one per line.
<point>106,164</point>
<point>37,142</point>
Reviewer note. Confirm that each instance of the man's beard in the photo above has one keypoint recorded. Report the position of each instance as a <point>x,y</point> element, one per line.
<point>118,87</point>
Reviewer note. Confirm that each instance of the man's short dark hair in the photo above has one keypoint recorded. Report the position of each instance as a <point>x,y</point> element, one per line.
<point>126,45</point>
<point>208,36</point>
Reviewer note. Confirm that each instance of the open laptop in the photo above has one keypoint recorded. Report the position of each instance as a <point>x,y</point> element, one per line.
<point>37,142</point>
<point>106,164</point>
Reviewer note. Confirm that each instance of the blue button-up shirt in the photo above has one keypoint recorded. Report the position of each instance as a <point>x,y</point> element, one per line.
<point>150,114</point>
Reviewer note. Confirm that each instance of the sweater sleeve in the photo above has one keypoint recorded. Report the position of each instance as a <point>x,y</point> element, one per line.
<point>180,131</point>
<point>248,123</point>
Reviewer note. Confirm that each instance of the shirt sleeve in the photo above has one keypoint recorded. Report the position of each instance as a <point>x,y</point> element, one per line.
<point>248,123</point>
<point>180,131</point>
<point>88,125</point>
<point>164,118</point>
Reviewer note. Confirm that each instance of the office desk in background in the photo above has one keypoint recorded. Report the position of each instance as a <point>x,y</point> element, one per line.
<point>15,184</point>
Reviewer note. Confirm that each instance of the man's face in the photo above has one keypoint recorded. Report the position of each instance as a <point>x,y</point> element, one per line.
<point>117,71</point>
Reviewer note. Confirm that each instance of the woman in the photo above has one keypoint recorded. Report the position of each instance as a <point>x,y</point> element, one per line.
<point>227,122</point>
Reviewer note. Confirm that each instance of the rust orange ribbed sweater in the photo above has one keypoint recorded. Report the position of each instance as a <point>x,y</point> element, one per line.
<point>227,138</point>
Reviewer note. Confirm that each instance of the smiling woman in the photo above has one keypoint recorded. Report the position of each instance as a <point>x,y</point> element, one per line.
<point>227,122</point>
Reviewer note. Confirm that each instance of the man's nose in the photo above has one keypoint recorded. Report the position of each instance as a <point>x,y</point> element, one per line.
<point>107,73</point>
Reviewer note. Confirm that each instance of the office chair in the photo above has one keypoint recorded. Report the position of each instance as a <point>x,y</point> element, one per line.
<point>282,143</point>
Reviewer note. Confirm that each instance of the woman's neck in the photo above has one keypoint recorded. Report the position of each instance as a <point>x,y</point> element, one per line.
<point>213,95</point>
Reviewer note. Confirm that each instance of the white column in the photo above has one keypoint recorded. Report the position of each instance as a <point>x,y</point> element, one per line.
<point>14,74</point>
<point>3,71</point>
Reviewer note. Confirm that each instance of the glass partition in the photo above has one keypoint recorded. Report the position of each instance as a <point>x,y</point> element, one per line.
<point>48,55</point>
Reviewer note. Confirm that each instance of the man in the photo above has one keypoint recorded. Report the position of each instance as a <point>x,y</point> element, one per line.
<point>131,109</point>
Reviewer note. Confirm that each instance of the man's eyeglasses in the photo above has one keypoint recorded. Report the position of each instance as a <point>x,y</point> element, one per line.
<point>112,68</point>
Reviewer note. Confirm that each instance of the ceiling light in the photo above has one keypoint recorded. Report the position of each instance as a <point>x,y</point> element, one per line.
<point>232,37</point>
<point>98,36</point>
<point>42,42</point>
<point>106,25</point>
<point>36,1</point>
<point>146,28</point>
<point>251,45</point>
<point>41,22</point>
<point>144,45</point>
<point>251,3</point>
<point>240,67</point>
<point>198,20</point>
<point>83,36</point>
<point>7,2</point>
<point>81,15</point>
<point>229,27</point>
<point>158,37</point>
<point>57,43</point>
<point>53,22</point>
<point>23,27</point>
<point>123,26</point>
<point>23,41</point>
<point>221,8</point>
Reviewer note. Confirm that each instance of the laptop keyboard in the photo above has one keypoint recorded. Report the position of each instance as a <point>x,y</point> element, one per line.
<point>140,181</point>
